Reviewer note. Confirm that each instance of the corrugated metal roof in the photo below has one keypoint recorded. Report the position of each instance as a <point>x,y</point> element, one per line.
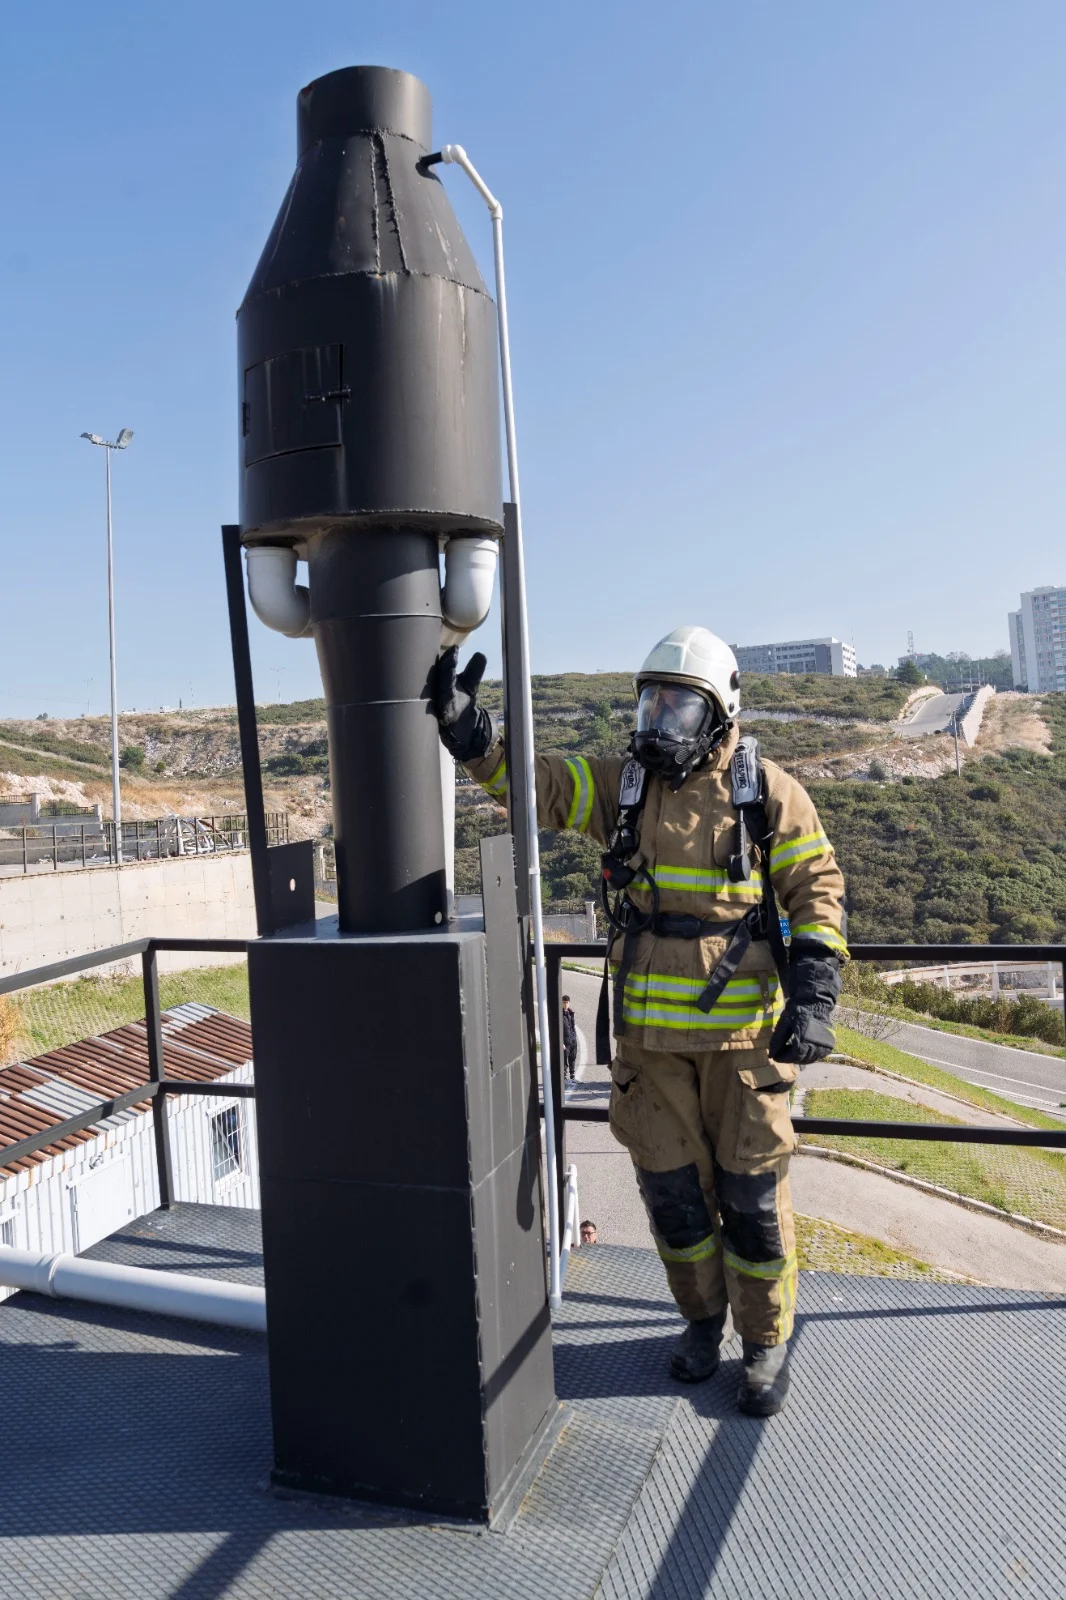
<point>198,1043</point>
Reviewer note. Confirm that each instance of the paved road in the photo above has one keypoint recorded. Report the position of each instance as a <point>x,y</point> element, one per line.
<point>932,716</point>
<point>1022,1075</point>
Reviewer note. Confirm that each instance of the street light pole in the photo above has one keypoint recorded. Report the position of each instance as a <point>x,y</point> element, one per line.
<point>116,798</point>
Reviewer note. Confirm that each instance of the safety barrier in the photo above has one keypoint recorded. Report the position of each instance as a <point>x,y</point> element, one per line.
<point>158,1086</point>
<point>75,842</point>
<point>914,954</point>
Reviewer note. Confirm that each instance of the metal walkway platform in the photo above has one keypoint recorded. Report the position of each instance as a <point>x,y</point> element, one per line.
<point>923,1454</point>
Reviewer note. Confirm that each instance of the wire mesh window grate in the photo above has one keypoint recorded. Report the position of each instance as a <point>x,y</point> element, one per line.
<point>7,1231</point>
<point>227,1152</point>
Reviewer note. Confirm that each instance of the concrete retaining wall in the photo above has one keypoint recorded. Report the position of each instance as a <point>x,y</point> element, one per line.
<point>52,917</point>
<point>970,724</point>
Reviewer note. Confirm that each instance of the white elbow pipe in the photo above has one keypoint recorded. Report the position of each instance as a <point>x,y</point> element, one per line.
<point>277,599</point>
<point>469,576</point>
<point>171,1294</point>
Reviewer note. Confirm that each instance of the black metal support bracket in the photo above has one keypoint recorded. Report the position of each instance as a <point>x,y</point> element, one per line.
<point>161,1127</point>
<point>248,728</point>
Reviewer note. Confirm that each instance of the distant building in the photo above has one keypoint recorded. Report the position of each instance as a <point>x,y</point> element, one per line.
<point>1038,640</point>
<point>798,655</point>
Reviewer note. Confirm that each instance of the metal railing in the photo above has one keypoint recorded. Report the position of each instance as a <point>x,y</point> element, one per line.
<point>944,1133</point>
<point>158,1087</point>
<point>77,842</point>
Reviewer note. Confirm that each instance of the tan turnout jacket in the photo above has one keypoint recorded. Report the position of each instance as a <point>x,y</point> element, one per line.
<point>686,840</point>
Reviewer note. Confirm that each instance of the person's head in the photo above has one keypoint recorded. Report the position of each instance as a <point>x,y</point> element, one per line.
<point>588,1232</point>
<point>688,692</point>
<point>566,1002</point>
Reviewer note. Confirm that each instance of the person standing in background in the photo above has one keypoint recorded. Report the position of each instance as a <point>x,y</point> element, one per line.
<point>569,1039</point>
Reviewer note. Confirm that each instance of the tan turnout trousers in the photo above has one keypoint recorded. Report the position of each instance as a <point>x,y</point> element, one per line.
<point>710,1135</point>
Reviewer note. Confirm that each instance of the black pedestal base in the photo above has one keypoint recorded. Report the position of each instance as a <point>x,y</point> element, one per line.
<point>408,1326</point>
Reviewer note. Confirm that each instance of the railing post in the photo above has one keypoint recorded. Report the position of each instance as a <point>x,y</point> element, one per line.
<point>25,853</point>
<point>83,844</point>
<point>55,847</point>
<point>556,1066</point>
<point>154,1028</point>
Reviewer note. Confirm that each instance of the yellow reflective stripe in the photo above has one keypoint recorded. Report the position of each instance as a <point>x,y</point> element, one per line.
<point>785,845</point>
<point>676,1017</point>
<point>783,1268</point>
<point>497,784</point>
<point>819,930</point>
<point>580,811</point>
<point>689,988</point>
<point>701,1251</point>
<point>706,880</point>
<point>792,851</point>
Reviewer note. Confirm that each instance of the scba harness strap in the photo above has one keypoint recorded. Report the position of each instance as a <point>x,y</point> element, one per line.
<point>748,793</point>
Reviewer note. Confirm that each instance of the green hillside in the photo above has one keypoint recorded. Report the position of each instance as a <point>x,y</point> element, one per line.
<point>981,858</point>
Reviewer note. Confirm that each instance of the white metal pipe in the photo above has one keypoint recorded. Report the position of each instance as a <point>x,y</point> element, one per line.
<point>106,1283</point>
<point>277,599</point>
<point>469,578</point>
<point>116,795</point>
<point>456,154</point>
<point>571,1239</point>
<point>447,798</point>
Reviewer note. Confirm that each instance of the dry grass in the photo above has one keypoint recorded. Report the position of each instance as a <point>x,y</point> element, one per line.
<point>1011,722</point>
<point>10,1031</point>
<point>826,1247</point>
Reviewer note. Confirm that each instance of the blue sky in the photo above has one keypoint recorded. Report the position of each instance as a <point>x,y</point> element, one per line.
<point>787,296</point>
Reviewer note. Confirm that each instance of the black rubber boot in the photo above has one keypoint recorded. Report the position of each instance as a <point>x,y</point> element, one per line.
<point>764,1386</point>
<point>696,1354</point>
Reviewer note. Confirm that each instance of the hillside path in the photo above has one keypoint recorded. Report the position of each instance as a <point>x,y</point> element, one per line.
<point>932,715</point>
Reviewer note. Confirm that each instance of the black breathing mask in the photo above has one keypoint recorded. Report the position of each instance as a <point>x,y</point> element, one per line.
<point>677,728</point>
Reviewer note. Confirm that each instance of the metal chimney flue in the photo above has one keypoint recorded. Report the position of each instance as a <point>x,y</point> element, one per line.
<point>395,1053</point>
<point>369,438</point>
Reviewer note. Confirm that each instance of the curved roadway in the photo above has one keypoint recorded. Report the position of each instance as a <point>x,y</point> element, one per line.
<point>933,715</point>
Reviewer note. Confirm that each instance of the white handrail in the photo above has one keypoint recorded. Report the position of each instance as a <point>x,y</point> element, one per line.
<point>454,153</point>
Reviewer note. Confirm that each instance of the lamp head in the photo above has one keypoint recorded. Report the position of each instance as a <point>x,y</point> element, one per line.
<point>124,438</point>
<point>93,438</point>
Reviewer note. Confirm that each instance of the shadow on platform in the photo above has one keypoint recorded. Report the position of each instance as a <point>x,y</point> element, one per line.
<point>921,1454</point>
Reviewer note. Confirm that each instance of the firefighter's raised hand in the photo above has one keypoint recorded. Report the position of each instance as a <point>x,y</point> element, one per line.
<point>465,727</point>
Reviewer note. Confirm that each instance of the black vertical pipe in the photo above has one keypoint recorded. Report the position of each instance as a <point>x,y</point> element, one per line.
<point>154,1028</point>
<point>246,723</point>
<point>375,613</point>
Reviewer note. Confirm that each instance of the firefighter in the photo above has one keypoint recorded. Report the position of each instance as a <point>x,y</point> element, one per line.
<point>707,1046</point>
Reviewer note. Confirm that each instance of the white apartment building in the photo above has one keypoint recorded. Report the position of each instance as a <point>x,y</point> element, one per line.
<point>1038,640</point>
<point>798,655</point>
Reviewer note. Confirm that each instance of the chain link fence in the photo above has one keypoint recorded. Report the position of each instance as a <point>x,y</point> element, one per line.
<point>34,1021</point>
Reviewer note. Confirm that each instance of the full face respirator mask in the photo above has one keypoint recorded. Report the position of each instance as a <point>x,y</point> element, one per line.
<point>677,728</point>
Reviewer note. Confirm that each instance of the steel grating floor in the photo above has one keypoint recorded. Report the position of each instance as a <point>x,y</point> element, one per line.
<point>923,1454</point>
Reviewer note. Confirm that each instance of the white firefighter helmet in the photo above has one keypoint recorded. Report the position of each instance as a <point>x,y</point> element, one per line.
<point>697,657</point>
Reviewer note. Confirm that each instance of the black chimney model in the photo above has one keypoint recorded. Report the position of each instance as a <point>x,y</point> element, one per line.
<point>369,437</point>
<point>397,1113</point>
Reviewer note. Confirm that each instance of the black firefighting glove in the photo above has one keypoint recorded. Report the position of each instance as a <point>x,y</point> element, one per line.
<point>804,1034</point>
<point>466,729</point>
